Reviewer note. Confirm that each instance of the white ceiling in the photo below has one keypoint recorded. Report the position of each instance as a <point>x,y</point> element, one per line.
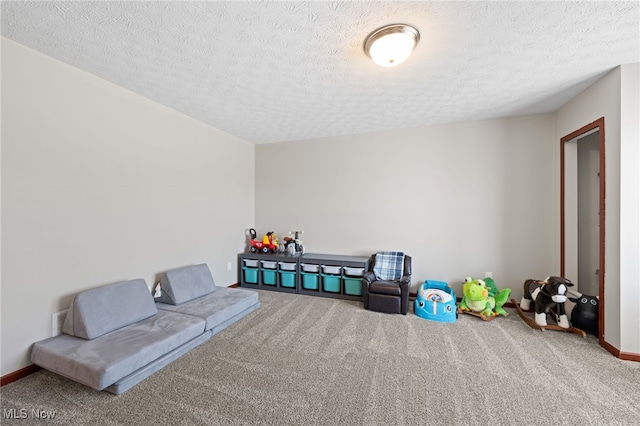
<point>282,71</point>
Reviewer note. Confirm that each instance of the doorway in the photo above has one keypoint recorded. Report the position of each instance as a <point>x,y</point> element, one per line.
<point>582,212</point>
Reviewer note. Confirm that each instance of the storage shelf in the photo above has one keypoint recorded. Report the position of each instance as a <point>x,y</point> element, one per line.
<point>314,274</point>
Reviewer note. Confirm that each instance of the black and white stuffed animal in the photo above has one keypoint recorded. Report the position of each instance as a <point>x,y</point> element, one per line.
<point>546,294</point>
<point>584,314</point>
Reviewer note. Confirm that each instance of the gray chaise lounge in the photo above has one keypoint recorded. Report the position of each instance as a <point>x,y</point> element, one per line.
<point>115,336</point>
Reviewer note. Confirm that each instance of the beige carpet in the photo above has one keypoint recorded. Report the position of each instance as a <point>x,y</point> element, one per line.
<point>302,360</point>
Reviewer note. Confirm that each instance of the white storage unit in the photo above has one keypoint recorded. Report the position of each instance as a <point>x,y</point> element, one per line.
<point>251,263</point>
<point>310,267</point>
<point>269,264</point>
<point>286,266</point>
<point>331,269</point>
<point>353,272</point>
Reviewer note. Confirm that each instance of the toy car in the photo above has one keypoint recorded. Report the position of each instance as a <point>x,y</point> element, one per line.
<point>269,243</point>
<point>436,301</point>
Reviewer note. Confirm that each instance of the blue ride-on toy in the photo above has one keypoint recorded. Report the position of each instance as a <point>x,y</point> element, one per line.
<point>436,301</point>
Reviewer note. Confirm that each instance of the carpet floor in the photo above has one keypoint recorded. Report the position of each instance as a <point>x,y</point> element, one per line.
<point>303,360</point>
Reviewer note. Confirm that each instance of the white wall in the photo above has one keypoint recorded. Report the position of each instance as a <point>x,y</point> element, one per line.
<point>101,185</point>
<point>630,207</point>
<point>615,97</point>
<point>462,199</point>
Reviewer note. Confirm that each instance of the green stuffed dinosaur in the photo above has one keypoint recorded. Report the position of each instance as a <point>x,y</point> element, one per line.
<point>483,297</point>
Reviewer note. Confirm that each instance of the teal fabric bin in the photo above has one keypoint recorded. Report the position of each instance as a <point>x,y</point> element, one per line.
<point>331,283</point>
<point>309,281</point>
<point>250,275</point>
<point>268,277</point>
<point>353,286</point>
<point>288,279</point>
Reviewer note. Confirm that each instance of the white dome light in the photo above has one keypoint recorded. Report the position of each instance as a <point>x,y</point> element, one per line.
<point>391,45</point>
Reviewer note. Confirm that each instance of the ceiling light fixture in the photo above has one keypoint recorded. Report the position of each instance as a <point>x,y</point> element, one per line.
<point>392,44</point>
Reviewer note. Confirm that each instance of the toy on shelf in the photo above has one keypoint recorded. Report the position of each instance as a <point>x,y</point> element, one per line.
<point>584,314</point>
<point>268,244</point>
<point>436,301</point>
<point>292,245</point>
<point>482,298</point>
<point>548,296</point>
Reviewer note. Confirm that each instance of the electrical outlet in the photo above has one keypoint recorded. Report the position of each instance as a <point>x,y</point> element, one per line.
<point>488,274</point>
<point>229,266</point>
<point>57,319</point>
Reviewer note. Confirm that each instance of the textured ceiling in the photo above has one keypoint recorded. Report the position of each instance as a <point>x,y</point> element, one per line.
<point>281,71</point>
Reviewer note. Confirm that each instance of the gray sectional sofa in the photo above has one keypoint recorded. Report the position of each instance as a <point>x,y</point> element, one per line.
<point>115,336</point>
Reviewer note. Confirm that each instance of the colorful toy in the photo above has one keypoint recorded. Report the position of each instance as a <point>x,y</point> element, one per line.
<point>436,301</point>
<point>268,244</point>
<point>584,314</point>
<point>483,299</point>
<point>548,296</point>
<point>500,296</point>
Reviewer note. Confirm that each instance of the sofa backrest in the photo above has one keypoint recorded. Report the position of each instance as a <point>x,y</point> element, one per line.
<point>184,284</point>
<point>107,308</point>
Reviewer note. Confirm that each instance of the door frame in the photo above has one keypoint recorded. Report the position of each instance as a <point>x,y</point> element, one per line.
<point>589,128</point>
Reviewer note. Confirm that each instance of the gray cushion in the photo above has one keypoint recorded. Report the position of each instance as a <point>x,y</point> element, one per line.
<point>218,307</point>
<point>184,284</point>
<point>137,376</point>
<point>101,362</point>
<point>104,309</point>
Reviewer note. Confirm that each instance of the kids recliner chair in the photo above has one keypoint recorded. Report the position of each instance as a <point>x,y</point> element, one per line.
<point>385,287</point>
